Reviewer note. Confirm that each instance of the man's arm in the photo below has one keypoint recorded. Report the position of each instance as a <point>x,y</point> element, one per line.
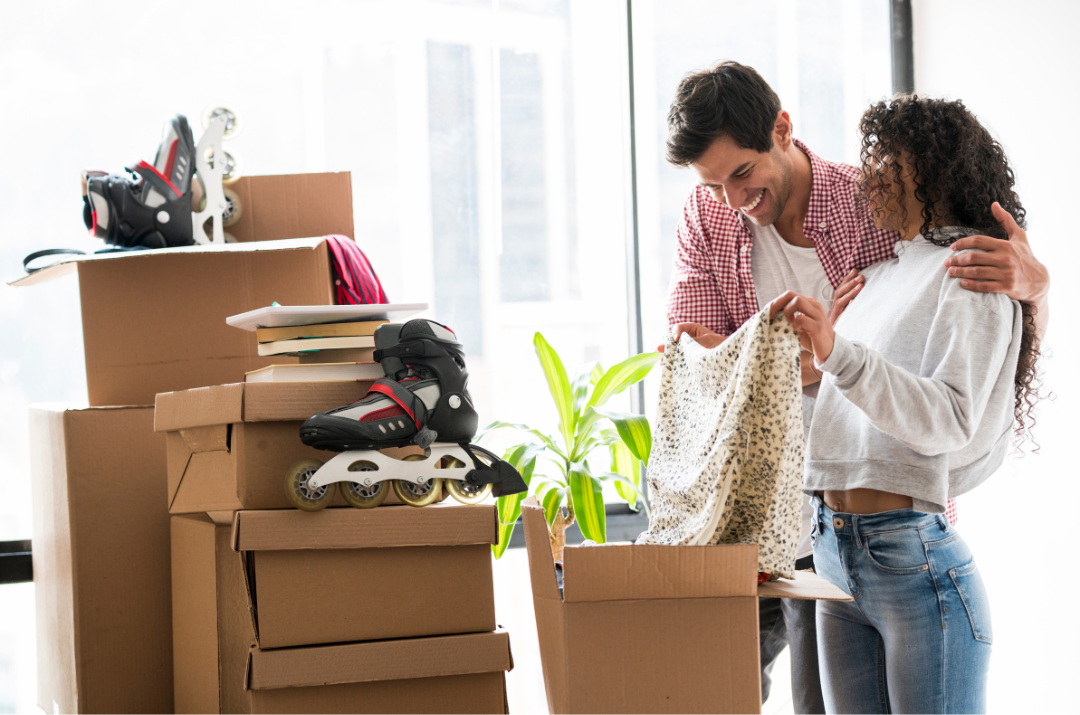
<point>1002,266</point>
<point>694,295</point>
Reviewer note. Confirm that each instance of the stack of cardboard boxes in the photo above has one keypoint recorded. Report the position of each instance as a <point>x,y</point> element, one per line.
<point>105,480</point>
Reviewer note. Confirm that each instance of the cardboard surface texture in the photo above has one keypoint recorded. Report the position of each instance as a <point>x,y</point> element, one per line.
<point>229,446</point>
<point>101,549</point>
<point>293,206</point>
<point>367,574</point>
<point>664,629</point>
<point>212,629</point>
<point>445,674</point>
<point>154,321</point>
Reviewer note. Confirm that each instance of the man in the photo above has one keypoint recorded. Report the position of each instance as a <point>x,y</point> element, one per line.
<point>769,216</point>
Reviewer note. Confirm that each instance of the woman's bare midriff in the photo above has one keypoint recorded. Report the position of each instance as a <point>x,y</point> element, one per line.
<point>864,501</point>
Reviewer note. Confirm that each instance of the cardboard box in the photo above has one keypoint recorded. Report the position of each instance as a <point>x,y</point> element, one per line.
<point>211,621</point>
<point>293,206</point>
<point>101,554</point>
<point>154,321</point>
<point>660,629</point>
<point>447,674</point>
<point>348,574</point>
<point>229,446</point>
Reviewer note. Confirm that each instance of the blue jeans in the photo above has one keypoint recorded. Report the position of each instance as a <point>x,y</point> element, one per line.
<point>917,637</point>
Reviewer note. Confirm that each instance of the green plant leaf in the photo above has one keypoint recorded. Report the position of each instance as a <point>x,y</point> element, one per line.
<point>624,462</point>
<point>553,499</point>
<point>548,441</point>
<point>587,494</point>
<point>559,386</point>
<point>620,481</point>
<point>523,459</point>
<point>634,431</point>
<point>580,386</point>
<point>622,376</point>
<point>597,373</point>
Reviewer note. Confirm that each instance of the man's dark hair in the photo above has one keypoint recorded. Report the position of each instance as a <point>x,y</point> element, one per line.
<point>728,99</point>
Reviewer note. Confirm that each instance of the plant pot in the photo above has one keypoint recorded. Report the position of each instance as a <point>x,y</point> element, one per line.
<point>557,534</point>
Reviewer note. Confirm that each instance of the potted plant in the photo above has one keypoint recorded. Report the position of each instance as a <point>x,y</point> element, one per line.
<point>585,430</point>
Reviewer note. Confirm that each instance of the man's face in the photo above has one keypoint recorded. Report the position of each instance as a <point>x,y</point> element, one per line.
<point>758,184</point>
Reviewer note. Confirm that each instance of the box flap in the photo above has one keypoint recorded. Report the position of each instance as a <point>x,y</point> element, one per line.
<point>199,407</point>
<point>255,402</point>
<point>379,660</point>
<point>278,207</point>
<point>69,264</point>
<point>214,438</point>
<point>630,573</point>
<point>347,528</point>
<point>807,586</point>
<point>538,545</point>
<point>206,485</point>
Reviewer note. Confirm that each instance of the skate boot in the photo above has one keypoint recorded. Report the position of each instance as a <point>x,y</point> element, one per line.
<point>150,204</point>
<point>421,399</point>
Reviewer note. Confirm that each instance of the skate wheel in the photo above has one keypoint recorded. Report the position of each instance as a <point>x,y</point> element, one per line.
<point>233,125</point>
<point>466,493</point>
<point>415,494</point>
<point>233,208</point>
<point>359,496</point>
<point>300,493</point>
<point>229,238</point>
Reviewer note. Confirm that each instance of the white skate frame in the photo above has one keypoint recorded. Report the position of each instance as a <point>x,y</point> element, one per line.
<point>211,179</point>
<point>416,472</point>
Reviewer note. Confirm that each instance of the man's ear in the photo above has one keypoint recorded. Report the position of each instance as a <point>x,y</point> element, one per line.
<point>782,130</point>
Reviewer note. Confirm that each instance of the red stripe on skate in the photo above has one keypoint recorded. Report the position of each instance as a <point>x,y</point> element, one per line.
<point>383,389</point>
<point>172,158</point>
<point>144,165</point>
<point>383,414</point>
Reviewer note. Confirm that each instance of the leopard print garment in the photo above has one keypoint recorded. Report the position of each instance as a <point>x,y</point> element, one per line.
<point>727,457</point>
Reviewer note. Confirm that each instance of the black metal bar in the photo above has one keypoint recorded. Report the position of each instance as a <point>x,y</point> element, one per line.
<point>903,47</point>
<point>622,525</point>
<point>16,565</point>
<point>637,340</point>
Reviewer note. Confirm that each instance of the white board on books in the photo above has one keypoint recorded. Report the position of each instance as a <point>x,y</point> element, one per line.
<point>282,316</point>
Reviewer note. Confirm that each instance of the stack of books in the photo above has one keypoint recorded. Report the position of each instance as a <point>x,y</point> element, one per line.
<point>328,352</point>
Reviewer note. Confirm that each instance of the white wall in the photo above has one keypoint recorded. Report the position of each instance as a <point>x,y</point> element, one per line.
<point>1013,64</point>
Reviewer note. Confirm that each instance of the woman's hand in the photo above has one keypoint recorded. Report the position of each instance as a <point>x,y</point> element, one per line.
<point>850,287</point>
<point>701,335</point>
<point>810,320</point>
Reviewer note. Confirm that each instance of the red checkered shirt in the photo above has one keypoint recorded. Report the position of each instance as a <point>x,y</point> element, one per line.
<point>712,284</point>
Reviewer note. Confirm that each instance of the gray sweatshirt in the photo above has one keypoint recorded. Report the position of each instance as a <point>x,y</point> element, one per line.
<point>917,398</point>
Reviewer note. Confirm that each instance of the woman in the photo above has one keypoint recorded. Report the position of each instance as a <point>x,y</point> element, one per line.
<point>925,383</point>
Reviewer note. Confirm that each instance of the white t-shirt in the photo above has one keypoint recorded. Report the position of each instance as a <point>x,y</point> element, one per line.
<point>777,266</point>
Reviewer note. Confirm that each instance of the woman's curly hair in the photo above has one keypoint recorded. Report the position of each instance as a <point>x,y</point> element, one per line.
<point>958,170</point>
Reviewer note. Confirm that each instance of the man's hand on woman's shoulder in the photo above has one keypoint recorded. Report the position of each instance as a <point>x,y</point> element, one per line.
<point>1001,266</point>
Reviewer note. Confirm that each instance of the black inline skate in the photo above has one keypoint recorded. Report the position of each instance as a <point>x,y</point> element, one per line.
<point>423,402</point>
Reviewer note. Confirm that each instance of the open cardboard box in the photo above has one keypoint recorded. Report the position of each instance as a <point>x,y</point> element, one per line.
<point>661,629</point>
<point>367,574</point>
<point>154,321</point>
<point>101,554</point>
<point>219,670</point>
<point>445,674</point>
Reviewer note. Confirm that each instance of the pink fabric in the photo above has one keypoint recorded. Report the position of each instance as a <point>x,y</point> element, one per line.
<point>713,285</point>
